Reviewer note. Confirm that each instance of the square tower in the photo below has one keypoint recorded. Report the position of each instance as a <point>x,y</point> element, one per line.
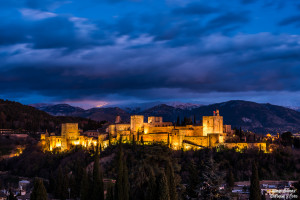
<point>70,131</point>
<point>136,123</point>
<point>212,124</point>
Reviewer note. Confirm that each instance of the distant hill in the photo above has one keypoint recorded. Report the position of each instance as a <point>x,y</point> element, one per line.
<point>261,118</point>
<point>61,110</point>
<point>169,113</point>
<point>107,114</point>
<point>14,115</point>
<point>140,107</point>
<point>256,117</point>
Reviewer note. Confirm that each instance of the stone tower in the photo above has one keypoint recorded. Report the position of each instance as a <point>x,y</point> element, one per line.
<point>213,124</point>
<point>136,123</point>
<point>118,119</point>
<point>70,131</point>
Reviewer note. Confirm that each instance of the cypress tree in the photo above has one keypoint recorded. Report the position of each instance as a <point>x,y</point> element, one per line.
<point>119,183</point>
<point>51,183</point>
<point>90,184</point>
<point>126,185</point>
<point>230,179</point>
<point>98,188</point>
<point>193,180</point>
<point>110,192</point>
<point>109,139</point>
<point>151,193</point>
<point>59,183</point>
<point>171,181</point>
<point>122,185</point>
<point>163,189</point>
<point>65,186</point>
<point>209,178</point>
<point>84,189</point>
<point>11,196</point>
<point>184,123</point>
<point>39,191</point>
<point>263,196</point>
<point>178,121</point>
<point>255,192</point>
<point>78,175</point>
<point>72,186</point>
<point>133,141</point>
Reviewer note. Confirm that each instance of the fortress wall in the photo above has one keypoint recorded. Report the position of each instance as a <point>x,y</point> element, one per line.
<point>153,119</point>
<point>56,141</point>
<point>197,140</point>
<point>262,146</point>
<point>167,129</point>
<point>198,130</point>
<point>227,129</point>
<point>187,132</point>
<point>122,127</point>
<point>112,129</point>
<point>213,140</point>
<point>161,137</point>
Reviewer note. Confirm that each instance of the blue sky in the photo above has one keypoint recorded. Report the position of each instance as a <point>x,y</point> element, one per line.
<point>95,52</point>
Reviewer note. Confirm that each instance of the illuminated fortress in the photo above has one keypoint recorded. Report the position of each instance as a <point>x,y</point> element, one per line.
<point>211,133</point>
<point>69,137</point>
<point>177,137</point>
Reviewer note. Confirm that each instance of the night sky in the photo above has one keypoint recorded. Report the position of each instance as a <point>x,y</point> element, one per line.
<point>90,52</point>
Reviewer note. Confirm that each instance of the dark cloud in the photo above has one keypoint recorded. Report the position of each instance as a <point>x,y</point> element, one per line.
<point>166,50</point>
<point>229,19</point>
<point>248,1</point>
<point>12,33</point>
<point>54,32</point>
<point>195,9</point>
<point>39,4</point>
<point>240,65</point>
<point>294,20</point>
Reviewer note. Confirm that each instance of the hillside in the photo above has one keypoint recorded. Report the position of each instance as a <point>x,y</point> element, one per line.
<point>107,114</point>
<point>169,113</point>
<point>14,115</point>
<point>254,116</point>
<point>61,110</point>
<point>261,118</point>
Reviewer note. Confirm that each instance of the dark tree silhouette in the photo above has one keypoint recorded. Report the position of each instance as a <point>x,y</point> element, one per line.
<point>255,192</point>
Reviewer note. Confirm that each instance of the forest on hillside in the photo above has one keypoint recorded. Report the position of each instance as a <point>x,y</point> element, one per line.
<point>22,118</point>
<point>144,167</point>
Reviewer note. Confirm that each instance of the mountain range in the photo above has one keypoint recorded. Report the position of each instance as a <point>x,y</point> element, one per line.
<point>261,118</point>
<point>16,116</point>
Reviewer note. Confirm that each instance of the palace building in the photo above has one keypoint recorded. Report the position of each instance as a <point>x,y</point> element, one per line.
<point>70,136</point>
<point>211,133</point>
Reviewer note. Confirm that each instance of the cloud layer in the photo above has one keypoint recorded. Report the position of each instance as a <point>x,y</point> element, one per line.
<point>119,50</point>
